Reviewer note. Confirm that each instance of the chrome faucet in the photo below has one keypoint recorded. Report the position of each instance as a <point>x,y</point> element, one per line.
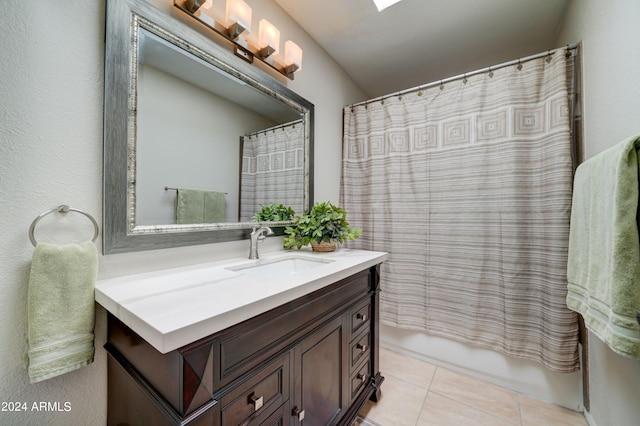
<point>257,235</point>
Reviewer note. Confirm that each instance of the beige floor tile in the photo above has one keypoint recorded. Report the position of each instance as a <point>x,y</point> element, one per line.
<point>539,413</point>
<point>399,405</point>
<point>442,411</point>
<point>359,421</point>
<point>475,393</point>
<point>406,368</point>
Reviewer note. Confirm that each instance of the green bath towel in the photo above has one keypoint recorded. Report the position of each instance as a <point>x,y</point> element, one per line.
<point>199,206</point>
<point>60,309</point>
<point>604,248</point>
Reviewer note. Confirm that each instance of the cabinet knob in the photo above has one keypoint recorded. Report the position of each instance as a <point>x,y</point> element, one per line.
<point>257,401</point>
<point>362,317</point>
<point>362,377</point>
<point>298,413</point>
<point>362,347</point>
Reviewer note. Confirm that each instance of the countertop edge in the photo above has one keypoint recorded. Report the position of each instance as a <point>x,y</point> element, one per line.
<point>166,342</point>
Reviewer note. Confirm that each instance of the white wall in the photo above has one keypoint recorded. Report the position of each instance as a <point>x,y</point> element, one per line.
<point>610,35</point>
<point>51,105</point>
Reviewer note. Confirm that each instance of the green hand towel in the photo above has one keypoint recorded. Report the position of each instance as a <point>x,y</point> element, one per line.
<point>604,249</point>
<point>199,206</point>
<point>60,309</point>
<point>214,205</point>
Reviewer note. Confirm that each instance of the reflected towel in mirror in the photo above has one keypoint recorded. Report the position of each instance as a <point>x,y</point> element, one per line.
<point>199,206</point>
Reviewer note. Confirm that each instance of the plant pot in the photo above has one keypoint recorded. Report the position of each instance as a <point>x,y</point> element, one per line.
<point>324,246</point>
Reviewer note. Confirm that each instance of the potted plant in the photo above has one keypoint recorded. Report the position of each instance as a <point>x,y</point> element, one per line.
<point>323,227</point>
<point>273,212</point>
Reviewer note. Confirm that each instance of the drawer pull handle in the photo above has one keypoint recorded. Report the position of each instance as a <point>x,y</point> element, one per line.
<point>362,317</point>
<point>298,413</point>
<point>362,347</point>
<point>362,377</point>
<point>257,401</point>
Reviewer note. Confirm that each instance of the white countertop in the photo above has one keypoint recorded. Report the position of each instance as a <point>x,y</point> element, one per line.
<point>174,307</point>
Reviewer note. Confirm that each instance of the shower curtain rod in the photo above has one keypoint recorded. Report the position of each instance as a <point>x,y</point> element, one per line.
<point>274,128</point>
<point>466,75</point>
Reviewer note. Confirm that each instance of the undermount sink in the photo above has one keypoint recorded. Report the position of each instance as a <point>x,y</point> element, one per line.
<point>282,267</point>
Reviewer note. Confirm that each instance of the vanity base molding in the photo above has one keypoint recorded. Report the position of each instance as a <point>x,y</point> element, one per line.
<point>312,361</point>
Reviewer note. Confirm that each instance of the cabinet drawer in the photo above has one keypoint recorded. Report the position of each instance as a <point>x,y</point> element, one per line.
<point>359,349</point>
<point>360,379</point>
<point>262,392</point>
<point>280,417</point>
<point>360,317</point>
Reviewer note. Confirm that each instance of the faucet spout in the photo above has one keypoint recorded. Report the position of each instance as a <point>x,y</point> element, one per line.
<point>257,235</point>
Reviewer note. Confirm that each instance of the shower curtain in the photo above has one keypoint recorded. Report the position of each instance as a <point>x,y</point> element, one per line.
<point>468,185</point>
<point>272,169</point>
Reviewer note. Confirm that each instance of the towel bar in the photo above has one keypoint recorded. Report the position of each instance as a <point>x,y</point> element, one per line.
<point>62,209</point>
<point>167,188</point>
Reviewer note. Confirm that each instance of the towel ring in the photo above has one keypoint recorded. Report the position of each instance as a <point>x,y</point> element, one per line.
<point>62,209</point>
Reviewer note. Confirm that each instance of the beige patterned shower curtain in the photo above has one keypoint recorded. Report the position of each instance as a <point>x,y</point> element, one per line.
<point>468,187</point>
<point>272,169</point>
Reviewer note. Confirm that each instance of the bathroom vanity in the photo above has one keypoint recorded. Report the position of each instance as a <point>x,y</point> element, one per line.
<point>291,338</point>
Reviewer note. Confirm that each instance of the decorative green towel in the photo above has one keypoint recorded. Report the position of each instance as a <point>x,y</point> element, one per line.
<point>199,206</point>
<point>60,309</point>
<point>604,247</point>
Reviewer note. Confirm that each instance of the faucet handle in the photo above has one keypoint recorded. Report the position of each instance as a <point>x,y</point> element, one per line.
<point>261,232</point>
<point>261,229</point>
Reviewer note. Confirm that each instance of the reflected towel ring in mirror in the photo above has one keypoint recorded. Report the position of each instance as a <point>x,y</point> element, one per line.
<point>62,209</point>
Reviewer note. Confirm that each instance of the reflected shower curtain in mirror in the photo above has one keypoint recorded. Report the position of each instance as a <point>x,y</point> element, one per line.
<point>468,187</point>
<point>272,169</point>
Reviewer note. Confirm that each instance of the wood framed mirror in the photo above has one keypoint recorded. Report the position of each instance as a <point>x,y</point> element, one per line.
<point>181,111</point>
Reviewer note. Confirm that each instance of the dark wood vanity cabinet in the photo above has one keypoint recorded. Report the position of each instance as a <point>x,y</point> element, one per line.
<point>312,361</point>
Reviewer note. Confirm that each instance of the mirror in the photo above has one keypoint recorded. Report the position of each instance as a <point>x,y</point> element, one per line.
<point>196,140</point>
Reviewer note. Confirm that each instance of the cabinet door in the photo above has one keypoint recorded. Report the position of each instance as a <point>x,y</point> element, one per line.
<point>319,397</point>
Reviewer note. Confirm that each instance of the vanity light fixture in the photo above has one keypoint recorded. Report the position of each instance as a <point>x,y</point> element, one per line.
<point>268,39</point>
<point>238,21</point>
<point>292,57</point>
<point>238,13</point>
<point>193,5</point>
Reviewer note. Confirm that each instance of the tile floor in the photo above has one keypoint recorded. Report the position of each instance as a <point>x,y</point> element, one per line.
<point>416,393</point>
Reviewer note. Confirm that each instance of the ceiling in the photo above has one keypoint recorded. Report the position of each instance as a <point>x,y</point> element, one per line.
<point>415,42</point>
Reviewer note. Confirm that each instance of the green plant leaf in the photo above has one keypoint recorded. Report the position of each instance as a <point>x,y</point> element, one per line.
<point>274,212</point>
<point>323,222</point>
